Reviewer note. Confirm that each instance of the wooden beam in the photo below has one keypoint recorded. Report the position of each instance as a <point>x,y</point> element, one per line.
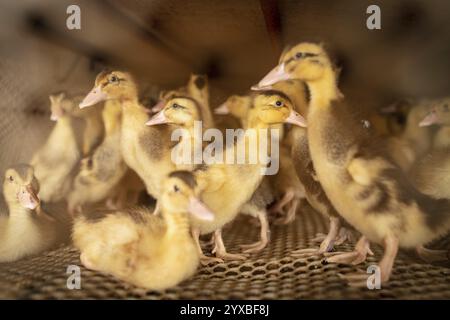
<point>272,19</point>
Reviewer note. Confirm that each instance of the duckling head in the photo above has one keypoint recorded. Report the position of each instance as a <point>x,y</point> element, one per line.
<point>305,61</point>
<point>235,105</point>
<point>274,107</point>
<point>181,111</point>
<point>439,114</point>
<point>164,96</point>
<point>21,187</point>
<point>179,196</point>
<point>56,106</point>
<point>115,85</point>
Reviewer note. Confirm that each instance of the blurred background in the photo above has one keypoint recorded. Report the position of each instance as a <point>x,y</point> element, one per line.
<point>234,42</point>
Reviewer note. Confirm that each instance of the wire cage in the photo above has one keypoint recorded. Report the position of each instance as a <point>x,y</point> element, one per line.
<point>235,43</point>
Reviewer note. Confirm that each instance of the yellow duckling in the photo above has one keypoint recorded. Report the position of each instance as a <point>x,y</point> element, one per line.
<point>227,187</point>
<point>154,252</point>
<point>184,112</point>
<point>145,149</point>
<point>285,183</point>
<point>55,161</point>
<point>27,229</point>
<point>364,185</point>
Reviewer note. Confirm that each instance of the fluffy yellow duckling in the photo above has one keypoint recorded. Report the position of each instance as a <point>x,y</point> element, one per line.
<point>227,187</point>
<point>145,149</point>
<point>154,252</point>
<point>183,112</point>
<point>100,173</point>
<point>55,161</point>
<point>285,183</point>
<point>439,114</point>
<point>27,229</point>
<point>364,185</point>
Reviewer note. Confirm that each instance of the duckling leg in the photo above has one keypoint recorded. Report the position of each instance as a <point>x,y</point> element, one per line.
<point>265,232</point>
<point>344,235</point>
<point>278,206</point>
<point>221,251</point>
<point>328,242</point>
<point>204,260</point>
<point>357,256</point>
<point>292,211</point>
<point>431,256</point>
<point>386,264</point>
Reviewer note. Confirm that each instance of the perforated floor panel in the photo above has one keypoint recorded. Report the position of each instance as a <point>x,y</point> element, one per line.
<point>275,273</point>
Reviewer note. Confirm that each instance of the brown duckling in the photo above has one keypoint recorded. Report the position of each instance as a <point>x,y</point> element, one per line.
<point>338,231</point>
<point>364,185</point>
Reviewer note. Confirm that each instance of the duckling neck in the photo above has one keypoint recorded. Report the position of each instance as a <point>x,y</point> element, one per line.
<point>111,118</point>
<point>177,224</point>
<point>20,221</point>
<point>323,91</point>
<point>134,112</point>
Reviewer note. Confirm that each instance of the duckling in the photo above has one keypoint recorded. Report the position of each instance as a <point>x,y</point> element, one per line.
<point>227,187</point>
<point>183,111</point>
<point>153,252</point>
<point>364,185</point>
<point>285,183</point>
<point>439,114</point>
<point>28,229</point>
<point>315,195</point>
<point>197,88</point>
<point>102,172</point>
<point>145,149</point>
<point>55,161</point>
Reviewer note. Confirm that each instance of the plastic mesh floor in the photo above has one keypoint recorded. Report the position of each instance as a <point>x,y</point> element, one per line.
<point>275,273</point>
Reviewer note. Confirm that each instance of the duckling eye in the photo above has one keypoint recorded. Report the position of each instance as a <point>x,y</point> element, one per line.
<point>11,178</point>
<point>177,106</point>
<point>113,78</point>
<point>278,103</point>
<point>175,188</point>
<point>299,55</point>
